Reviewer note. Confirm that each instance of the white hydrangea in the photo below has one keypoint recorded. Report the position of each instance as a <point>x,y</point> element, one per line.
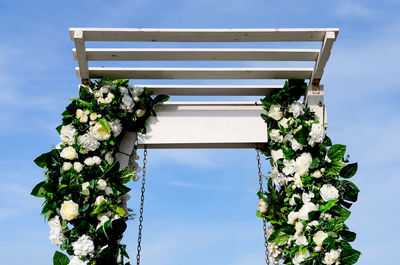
<point>127,103</point>
<point>78,166</point>
<point>296,145</point>
<point>331,257</point>
<point>69,210</point>
<point>296,109</point>
<point>69,153</point>
<point>67,134</point>
<point>317,134</point>
<point>84,246</point>
<point>288,167</point>
<point>300,257</point>
<point>116,127</point>
<point>262,206</point>
<point>102,184</point>
<point>88,142</point>
<point>275,112</point>
<point>319,237</point>
<point>329,192</point>
<point>276,136</point>
<point>56,233</point>
<point>275,253</point>
<point>306,209</point>
<point>77,261</point>
<point>302,163</point>
<point>99,132</point>
<point>276,154</point>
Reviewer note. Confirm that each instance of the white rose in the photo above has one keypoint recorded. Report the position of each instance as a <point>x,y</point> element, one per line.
<point>299,257</point>
<point>102,184</point>
<point>67,166</point>
<point>296,109</point>
<point>85,185</point>
<point>306,209</point>
<point>127,103</point>
<point>68,153</point>
<point>299,227</point>
<point>296,145</point>
<point>140,112</point>
<point>67,134</point>
<point>276,154</point>
<point>78,167</point>
<point>302,241</point>
<point>99,199</point>
<point>262,206</point>
<point>56,233</point>
<point>329,192</point>
<point>84,246</point>
<point>317,134</point>
<point>99,132</point>
<point>292,217</point>
<point>276,136</point>
<point>331,257</point>
<point>317,174</point>
<point>302,163</point>
<point>109,191</point>
<point>76,261</point>
<point>319,237</point>
<point>93,116</point>
<point>275,112</point>
<point>69,210</point>
<point>88,142</point>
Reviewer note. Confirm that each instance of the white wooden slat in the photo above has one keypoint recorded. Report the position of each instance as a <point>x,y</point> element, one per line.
<point>204,35</point>
<point>199,73</point>
<point>176,54</point>
<point>323,56</point>
<point>206,125</point>
<point>212,90</point>
<point>81,54</point>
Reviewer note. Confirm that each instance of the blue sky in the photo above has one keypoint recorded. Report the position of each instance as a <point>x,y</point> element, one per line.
<point>200,204</point>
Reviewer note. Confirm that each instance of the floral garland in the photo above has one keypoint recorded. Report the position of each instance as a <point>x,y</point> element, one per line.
<point>84,191</point>
<point>308,196</point>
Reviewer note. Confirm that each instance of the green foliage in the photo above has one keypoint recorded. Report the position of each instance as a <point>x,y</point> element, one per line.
<point>60,259</point>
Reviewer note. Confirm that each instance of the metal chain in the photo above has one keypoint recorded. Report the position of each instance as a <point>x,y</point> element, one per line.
<point>139,247</point>
<point>262,191</point>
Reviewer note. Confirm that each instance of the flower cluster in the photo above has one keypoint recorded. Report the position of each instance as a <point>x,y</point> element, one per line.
<point>84,191</point>
<point>308,196</point>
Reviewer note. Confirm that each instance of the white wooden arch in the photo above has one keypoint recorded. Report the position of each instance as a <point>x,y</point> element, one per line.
<point>206,124</point>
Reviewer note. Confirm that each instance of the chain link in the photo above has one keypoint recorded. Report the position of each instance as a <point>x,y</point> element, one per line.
<point>262,191</point>
<point>139,247</point>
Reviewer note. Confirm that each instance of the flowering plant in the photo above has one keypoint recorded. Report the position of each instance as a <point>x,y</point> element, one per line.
<point>84,190</point>
<point>308,194</point>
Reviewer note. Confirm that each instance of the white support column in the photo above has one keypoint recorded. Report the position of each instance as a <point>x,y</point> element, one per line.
<point>125,148</point>
<point>79,40</point>
<point>314,98</point>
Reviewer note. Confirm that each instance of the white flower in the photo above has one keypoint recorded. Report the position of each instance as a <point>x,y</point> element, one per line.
<point>292,201</point>
<point>276,154</point>
<point>329,192</point>
<point>317,134</point>
<point>109,191</point>
<point>78,167</point>
<point>90,161</point>
<point>276,177</point>
<point>100,101</point>
<point>98,94</point>
<point>296,109</point>
<point>99,199</point>
<point>109,158</point>
<point>302,240</point>
<point>105,89</point>
<point>306,209</point>
<point>109,98</point>
<point>319,237</point>
<point>85,185</point>
<point>275,112</point>
<point>76,261</point>
<point>93,116</point>
<point>67,166</point>
<point>298,183</point>
<point>306,197</point>
<point>136,99</point>
<point>327,159</point>
<point>79,113</point>
<point>284,122</point>
<point>299,227</point>
<point>300,257</point>
<point>99,132</point>
<point>295,145</point>
<point>56,234</point>
<point>102,220</point>
<point>331,257</point>
<point>58,146</point>
<point>102,184</point>
<point>276,136</point>
<point>140,112</point>
<point>274,253</point>
<point>83,119</point>
<point>68,153</point>
<point>69,210</point>
<point>302,163</point>
<point>262,206</point>
<point>88,142</point>
<point>317,174</point>
<point>292,217</point>
<point>326,216</point>
<point>137,91</point>
<point>289,167</point>
<point>67,134</point>
<point>127,103</point>
<point>123,90</point>
<point>115,127</point>
<point>83,246</point>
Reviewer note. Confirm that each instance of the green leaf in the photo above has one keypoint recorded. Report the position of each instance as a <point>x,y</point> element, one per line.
<point>49,159</point>
<point>335,167</point>
<point>301,136</point>
<point>315,163</point>
<point>127,175</point>
<point>327,206</point>
<point>348,235</point>
<point>334,225</point>
<point>82,103</point>
<point>349,255</point>
<point>103,122</point>
<point>118,210</point>
<point>349,170</point>
<point>99,208</point>
<point>60,259</point>
<point>281,236</point>
<point>38,190</point>
<point>349,190</point>
<point>160,98</point>
<point>336,152</point>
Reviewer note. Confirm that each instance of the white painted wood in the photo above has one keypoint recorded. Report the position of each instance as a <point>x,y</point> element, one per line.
<point>314,98</point>
<point>323,57</point>
<point>79,40</point>
<point>199,73</point>
<point>206,125</point>
<point>185,54</point>
<point>212,90</point>
<point>127,142</point>
<point>122,158</point>
<point>204,35</point>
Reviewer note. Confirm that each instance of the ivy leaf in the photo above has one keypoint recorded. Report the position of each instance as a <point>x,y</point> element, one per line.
<point>336,152</point>
<point>38,190</point>
<point>60,259</point>
<point>349,171</point>
<point>103,122</point>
